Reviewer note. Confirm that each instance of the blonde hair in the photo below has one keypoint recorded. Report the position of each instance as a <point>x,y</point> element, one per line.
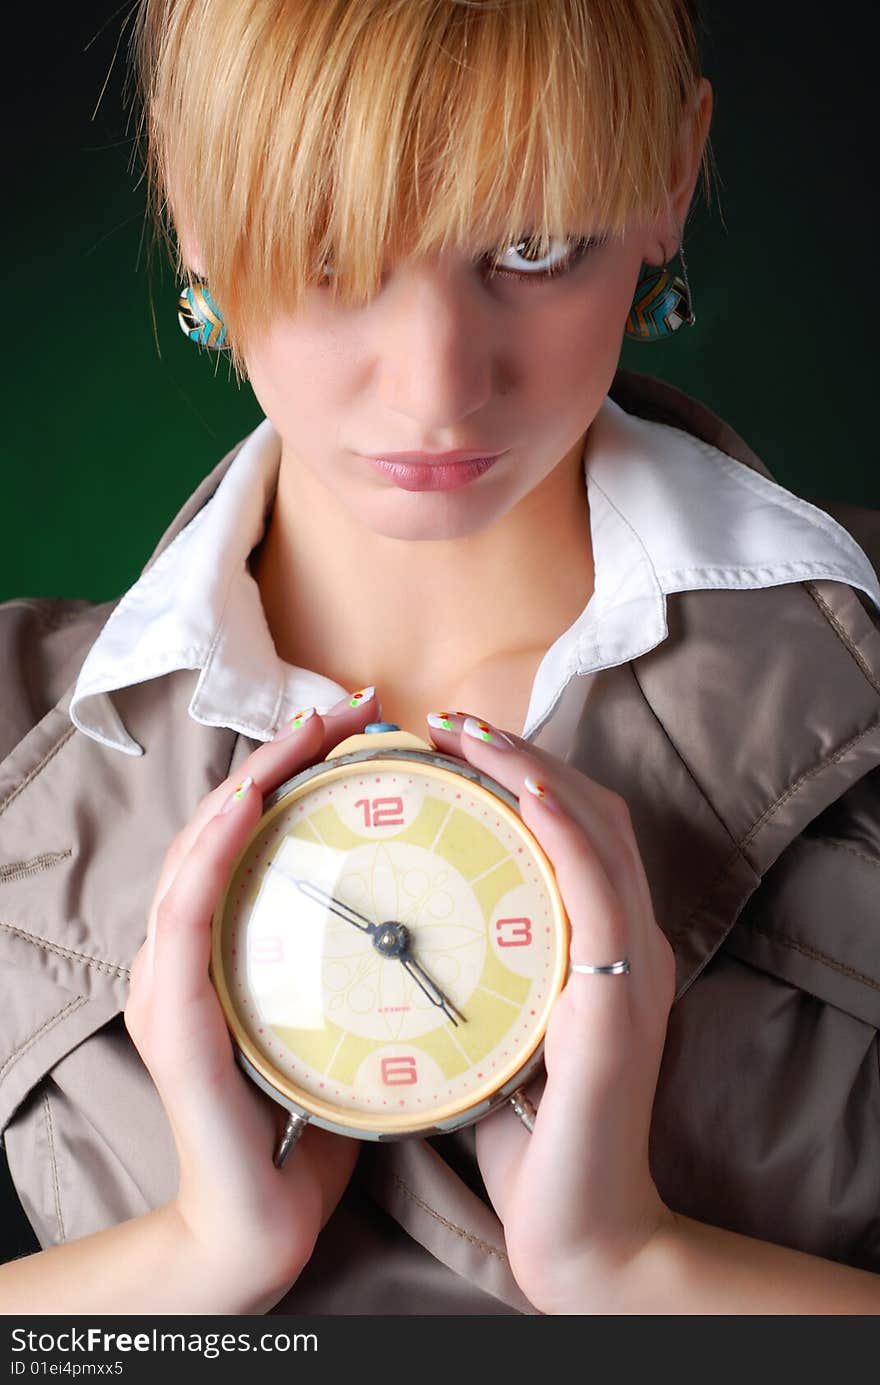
<point>286,135</point>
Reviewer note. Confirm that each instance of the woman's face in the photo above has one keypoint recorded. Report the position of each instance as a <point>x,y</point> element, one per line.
<point>444,357</point>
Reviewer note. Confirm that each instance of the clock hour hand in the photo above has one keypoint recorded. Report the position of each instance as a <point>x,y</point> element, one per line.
<point>338,906</point>
<point>391,940</point>
<point>431,989</point>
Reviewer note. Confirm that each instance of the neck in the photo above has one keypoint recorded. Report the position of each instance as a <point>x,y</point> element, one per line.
<point>361,608</point>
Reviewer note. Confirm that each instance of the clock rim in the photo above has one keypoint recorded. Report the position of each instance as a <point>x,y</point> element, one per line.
<point>367,1126</point>
<point>382,1135</point>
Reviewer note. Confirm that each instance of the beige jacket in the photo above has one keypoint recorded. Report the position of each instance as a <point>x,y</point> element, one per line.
<point>747,746</point>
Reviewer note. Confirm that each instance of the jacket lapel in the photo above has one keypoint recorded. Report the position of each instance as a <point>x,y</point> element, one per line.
<point>727,739</point>
<point>753,715</point>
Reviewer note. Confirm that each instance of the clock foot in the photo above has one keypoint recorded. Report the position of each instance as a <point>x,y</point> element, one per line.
<point>524,1108</point>
<point>292,1131</point>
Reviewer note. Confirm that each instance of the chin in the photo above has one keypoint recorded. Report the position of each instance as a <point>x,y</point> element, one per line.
<point>406,515</point>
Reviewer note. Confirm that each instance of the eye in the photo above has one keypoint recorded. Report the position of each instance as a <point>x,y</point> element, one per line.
<point>541,267</point>
<point>545,266</point>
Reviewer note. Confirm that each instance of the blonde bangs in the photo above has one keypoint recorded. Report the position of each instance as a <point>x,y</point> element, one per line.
<point>283,136</point>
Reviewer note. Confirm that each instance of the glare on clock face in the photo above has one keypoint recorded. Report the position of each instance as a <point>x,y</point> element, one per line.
<point>390,943</point>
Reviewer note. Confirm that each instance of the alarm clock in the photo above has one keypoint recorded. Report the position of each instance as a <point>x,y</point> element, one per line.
<point>390,943</point>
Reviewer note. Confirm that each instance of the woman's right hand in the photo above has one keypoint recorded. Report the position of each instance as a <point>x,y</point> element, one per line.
<point>231,1197</point>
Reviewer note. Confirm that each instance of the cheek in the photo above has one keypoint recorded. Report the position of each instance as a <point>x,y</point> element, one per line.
<point>293,373</point>
<point>566,350</point>
<point>587,328</point>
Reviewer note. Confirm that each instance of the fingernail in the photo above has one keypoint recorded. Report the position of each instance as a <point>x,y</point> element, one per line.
<point>446,721</point>
<point>482,731</point>
<point>294,724</point>
<point>237,794</point>
<point>539,790</point>
<point>351,700</point>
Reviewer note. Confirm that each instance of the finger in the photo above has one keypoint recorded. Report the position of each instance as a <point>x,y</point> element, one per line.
<point>179,941</point>
<point>332,1159</point>
<point>509,758</point>
<point>501,1142</point>
<point>599,935</point>
<point>269,765</point>
<point>600,814</point>
<point>294,747</point>
<point>592,1009</point>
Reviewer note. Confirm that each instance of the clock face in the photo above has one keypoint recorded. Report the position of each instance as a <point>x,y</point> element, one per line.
<point>390,943</point>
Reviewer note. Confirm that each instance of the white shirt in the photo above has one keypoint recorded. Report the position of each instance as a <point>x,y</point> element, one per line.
<point>668,512</point>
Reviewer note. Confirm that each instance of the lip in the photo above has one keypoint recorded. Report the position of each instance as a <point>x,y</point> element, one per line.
<point>431,458</point>
<point>431,476</point>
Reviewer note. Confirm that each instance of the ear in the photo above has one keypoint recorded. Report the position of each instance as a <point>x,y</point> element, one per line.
<point>191,252</point>
<point>692,139</point>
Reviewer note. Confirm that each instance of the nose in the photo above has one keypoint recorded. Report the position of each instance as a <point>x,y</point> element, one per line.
<point>435,350</point>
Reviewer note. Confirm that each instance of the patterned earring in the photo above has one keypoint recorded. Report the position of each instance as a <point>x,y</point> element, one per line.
<point>200,318</point>
<point>661,304</point>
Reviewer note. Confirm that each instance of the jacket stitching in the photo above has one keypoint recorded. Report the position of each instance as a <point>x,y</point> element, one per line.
<point>17,870</point>
<point>37,769</point>
<point>68,952</point>
<point>815,955</point>
<point>47,1024</point>
<point>48,1112</point>
<point>807,774</point>
<point>842,635</point>
<point>680,933</point>
<point>485,1246</point>
<point>696,783</point>
<point>838,845</point>
<point>676,933</point>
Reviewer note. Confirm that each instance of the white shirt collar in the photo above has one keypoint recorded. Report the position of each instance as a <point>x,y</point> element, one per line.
<point>668,513</point>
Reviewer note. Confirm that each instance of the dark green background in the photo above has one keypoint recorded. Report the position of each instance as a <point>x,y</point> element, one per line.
<point>113,417</point>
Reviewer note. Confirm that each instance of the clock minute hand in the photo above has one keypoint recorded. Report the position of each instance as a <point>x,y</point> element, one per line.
<point>434,994</point>
<point>398,942</point>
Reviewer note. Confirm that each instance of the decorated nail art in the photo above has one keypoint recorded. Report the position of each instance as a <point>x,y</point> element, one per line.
<point>482,731</point>
<point>539,790</point>
<point>363,695</point>
<point>295,723</point>
<point>237,794</point>
<point>446,721</point>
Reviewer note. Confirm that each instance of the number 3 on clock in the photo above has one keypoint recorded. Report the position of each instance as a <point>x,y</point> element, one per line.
<point>513,932</point>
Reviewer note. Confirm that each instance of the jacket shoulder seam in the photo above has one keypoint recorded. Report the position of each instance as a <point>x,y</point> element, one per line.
<point>38,768</point>
<point>114,968</point>
<point>50,1136</point>
<point>837,844</point>
<point>842,634</point>
<point>815,955</point>
<point>793,788</point>
<point>53,611</point>
<point>47,1024</point>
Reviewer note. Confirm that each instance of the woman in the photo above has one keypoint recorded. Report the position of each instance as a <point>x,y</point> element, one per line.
<point>353,235</point>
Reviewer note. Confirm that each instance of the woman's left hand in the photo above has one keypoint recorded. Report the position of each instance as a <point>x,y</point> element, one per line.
<point>576,1196</point>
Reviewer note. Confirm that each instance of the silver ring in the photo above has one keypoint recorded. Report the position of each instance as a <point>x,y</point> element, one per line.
<point>525,1109</point>
<point>612,969</point>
